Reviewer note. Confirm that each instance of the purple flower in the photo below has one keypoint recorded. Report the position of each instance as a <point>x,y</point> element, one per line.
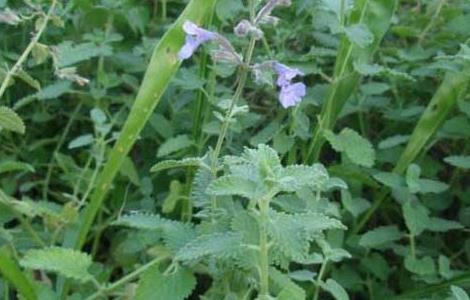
<point>292,94</point>
<point>195,36</point>
<point>286,74</point>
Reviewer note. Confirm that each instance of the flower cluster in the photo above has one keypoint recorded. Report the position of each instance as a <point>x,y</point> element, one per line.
<point>290,94</point>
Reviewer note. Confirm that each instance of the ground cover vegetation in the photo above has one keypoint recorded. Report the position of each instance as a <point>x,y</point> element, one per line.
<point>234,149</point>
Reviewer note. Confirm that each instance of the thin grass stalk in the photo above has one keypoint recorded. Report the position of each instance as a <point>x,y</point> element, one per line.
<point>377,16</point>
<point>162,67</point>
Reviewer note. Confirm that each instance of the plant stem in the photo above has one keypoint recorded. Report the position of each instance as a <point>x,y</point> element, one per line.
<point>238,93</point>
<point>59,145</point>
<point>27,51</point>
<point>412,246</point>
<point>126,278</point>
<point>263,249</point>
<point>319,279</point>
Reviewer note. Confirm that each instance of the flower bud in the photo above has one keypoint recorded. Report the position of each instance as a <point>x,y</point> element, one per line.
<point>243,28</point>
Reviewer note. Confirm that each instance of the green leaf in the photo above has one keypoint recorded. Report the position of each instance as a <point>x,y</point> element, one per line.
<point>358,149</point>
<point>186,162</point>
<point>217,244</point>
<point>54,90</point>
<point>174,144</point>
<point>9,120</point>
<point>228,9</point>
<point>424,266</point>
<point>459,293</point>
<point>176,285</point>
<point>141,221</point>
<point>380,236</point>
<point>66,262</point>
<point>416,217</point>
<point>288,290</point>
<point>12,166</point>
<point>67,54</point>
<point>359,34</point>
<point>335,289</point>
<point>233,185</point>
<point>391,180</point>
<point>81,141</point>
<point>443,225</point>
<point>462,162</point>
<point>393,141</point>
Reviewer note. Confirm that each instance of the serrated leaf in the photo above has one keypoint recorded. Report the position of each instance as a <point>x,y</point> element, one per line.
<point>219,244</point>
<point>335,289</point>
<point>174,286</point>
<point>358,149</point>
<point>9,120</point>
<point>141,221</point>
<point>458,161</point>
<point>359,34</point>
<point>174,144</point>
<point>232,185</point>
<point>459,293</point>
<point>67,262</point>
<point>186,162</point>
<point>380,236</point>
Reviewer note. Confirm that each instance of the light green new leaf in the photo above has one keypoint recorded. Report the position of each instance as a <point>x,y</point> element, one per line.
<point>358,149</point>
<point>66,262</point>
<point>233,185</point>
<point>220,244</point>
<point>335,289</point>
<point>9,120</point>
<point>462,161</point>
<point>186,162</point>
<point>459,293</point>
<point>176,285</point>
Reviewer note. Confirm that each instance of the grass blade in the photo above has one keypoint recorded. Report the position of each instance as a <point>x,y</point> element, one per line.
<point>11,272</point>
<point>161,69</point>
<point>376,14</point>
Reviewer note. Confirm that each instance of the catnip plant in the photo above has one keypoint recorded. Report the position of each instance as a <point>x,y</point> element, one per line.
<point>255,217</point>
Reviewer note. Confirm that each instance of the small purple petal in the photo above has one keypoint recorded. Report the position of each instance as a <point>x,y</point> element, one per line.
<point>292,94</point>
<point>195,36</point>
<point>286,74</point>
<point>188,48</point>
